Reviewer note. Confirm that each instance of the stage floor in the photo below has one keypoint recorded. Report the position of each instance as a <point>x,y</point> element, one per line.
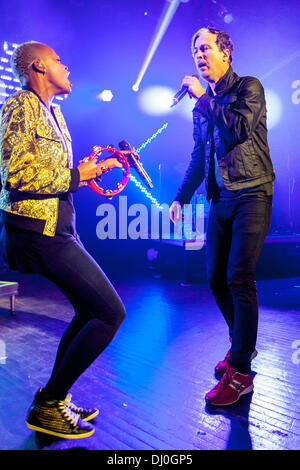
<point>150,382</point>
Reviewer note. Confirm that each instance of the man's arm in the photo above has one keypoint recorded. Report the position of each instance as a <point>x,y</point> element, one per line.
<point>195,172</point>
<point>23,166</point>
<point>193,177</point>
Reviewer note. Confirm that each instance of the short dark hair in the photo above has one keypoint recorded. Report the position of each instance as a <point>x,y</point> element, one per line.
<point>223,40</point>
<point>23,56</point>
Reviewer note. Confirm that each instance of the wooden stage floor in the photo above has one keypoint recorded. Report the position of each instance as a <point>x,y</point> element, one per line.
<point>150,382</point>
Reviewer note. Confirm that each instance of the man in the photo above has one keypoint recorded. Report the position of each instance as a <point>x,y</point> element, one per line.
<point>231,153</point>
<point>39,231</point>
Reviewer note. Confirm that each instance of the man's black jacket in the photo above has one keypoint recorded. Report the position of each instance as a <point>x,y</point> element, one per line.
<point>234,120</point>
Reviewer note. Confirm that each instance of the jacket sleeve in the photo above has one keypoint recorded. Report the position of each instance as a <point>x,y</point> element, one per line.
<point>23,166</point>
<point>195,172</point>
<point>237,122</point>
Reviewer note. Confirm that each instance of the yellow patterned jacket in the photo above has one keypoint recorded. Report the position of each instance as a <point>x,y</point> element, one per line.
<point>36,163</point>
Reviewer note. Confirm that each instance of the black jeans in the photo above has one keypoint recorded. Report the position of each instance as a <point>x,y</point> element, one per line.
<point>98,309</point>
<point>235,236</point>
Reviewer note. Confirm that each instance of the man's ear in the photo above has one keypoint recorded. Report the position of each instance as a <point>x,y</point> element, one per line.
<point>38,66</point>
<point>226,54</point>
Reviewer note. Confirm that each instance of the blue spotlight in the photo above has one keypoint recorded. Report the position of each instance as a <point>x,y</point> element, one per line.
<point>156,100</point>
<point>169,11</point>
<point>186,107</point>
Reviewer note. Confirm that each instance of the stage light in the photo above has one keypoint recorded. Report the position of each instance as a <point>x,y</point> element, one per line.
<point>133,178</point>
<point>145,191</point>
<point>153,136</point>
<point>135,87</point>
<point>164,21</point>
<point>274,108</point>
<point>156,100</point>
<point>105,95</point>
<point>228,18</point>
<point>185,108</point>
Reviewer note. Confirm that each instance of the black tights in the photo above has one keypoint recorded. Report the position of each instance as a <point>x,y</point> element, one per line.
<point>99,310</point>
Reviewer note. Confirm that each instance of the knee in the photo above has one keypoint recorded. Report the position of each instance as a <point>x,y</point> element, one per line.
<point>121,314</point>
<point>238,282</point>
<point>218,286</point>
<point>118,316</point>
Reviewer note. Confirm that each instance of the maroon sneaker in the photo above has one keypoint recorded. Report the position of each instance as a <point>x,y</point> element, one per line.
<point>222,366</point>
<point>231,387</point>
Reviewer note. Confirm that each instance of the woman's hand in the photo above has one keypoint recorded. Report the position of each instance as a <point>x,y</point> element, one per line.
<point>90,169</point>
<point>131,152</point>
<point>109,164</point>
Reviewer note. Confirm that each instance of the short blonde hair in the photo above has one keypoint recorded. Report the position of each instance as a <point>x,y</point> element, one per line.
<point>23,56</point>
<point>223,40</point>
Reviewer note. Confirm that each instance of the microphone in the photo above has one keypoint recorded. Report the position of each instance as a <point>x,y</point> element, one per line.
<point>181,93</point>
<point>136,164</point>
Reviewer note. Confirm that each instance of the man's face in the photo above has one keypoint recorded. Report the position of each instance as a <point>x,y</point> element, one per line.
<point>56,72</point>
<point>209,59</point>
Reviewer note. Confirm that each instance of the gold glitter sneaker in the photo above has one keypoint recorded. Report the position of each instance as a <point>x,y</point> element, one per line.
<point>56,418</point>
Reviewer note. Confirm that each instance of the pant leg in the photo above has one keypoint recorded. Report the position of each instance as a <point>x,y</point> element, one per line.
<point>79,276</point>
<point>251,220</point>
<point>218,242</point>
<point>98,313</point>
<point>79,320</point>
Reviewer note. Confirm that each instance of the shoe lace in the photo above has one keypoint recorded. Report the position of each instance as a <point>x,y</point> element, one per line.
<point>71,405</point>
<point>226,379</point>
<point>67,413</point>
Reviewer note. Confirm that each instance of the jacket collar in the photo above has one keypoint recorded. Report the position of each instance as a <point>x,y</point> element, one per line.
<point>225,83</point>
<point>36,94</point>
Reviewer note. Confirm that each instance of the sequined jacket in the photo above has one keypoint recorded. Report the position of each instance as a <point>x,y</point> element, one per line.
<point>36,163</point>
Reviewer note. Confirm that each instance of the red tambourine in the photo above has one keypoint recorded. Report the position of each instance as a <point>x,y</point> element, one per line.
<point>109,193</point>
